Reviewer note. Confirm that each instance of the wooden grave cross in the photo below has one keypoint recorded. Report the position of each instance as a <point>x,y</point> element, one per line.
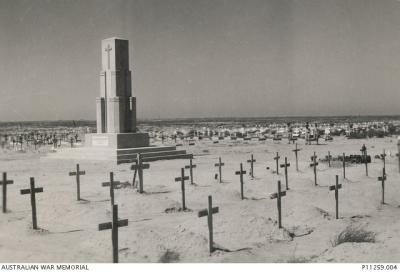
<point>32,191</point>
<point>78,174</point>
<point>251,161</point>
<point>296,150</point>
<point>182,179</point>
<point>383,158</point>
<point>278,195</point>
<point>219,165</point>
<point>190,167</point>
<point>162,138</point>
<point>289,137</point>
<point>286,165</point>
<point>209,213</point>
<point>241,173</point>
<point>344,166</point>
<point>276,158</point>
<point>336,188</point>
<point>382,179</point>
<point>112,184</point>
<point>114,225</point>
<point>398,153</point>
<point>398,156</point>
<point>364,153</point>
<point>139,167</point>
<point>5,182</point>
<point>329,159</point>
<point>314,165</point>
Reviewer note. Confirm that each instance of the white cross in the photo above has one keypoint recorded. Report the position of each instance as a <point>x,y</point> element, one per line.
<point>108,49</point>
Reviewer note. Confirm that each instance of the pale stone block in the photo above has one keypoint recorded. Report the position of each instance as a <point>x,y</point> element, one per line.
<point>117,140</point>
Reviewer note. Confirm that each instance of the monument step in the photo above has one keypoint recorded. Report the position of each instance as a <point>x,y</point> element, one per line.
<point>127,155</point>
<point>153,154</point>
<point>101,151</point>
<point>169,157</point>
<point>145,149</point>
<point>157,158</point>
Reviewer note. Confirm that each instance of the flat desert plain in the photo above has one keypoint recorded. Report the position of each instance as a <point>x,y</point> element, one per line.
<point>244,230</point>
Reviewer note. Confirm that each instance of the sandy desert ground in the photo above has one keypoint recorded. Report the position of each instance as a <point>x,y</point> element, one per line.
<point>246,229</point>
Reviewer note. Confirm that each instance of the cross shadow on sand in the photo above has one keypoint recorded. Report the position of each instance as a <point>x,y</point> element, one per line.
<point>64,232</point>
<point>202,186</point>
<point>86,201</point>
<point>176,210</point>
<point>217,247</point>
<point>83,201</point>
<point>156,192</point>
<point>39,231</point>
<point>255,198</point>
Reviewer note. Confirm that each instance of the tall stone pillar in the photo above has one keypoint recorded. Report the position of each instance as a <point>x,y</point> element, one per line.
<point>132,108</point>
<point>100,115</point>
<point>116,107</point>
<point>117,85</point>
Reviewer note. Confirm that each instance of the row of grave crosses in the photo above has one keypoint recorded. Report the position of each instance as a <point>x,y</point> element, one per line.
<point>38,140</point>
<point>190,140</point>
<point>140,166</point>
<point>33,190</point>
<point>116,223</point>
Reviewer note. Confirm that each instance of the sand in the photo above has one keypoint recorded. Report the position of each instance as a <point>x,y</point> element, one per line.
<point>245,230</point>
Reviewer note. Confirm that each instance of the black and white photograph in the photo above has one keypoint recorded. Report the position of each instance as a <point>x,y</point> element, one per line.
<point>199,131</point>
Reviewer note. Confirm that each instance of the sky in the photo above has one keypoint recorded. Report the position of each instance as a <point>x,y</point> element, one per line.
<point>203,58</point>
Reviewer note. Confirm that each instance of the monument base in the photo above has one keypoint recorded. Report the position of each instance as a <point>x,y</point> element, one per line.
<point>118,156</point>
<point>117,140</point>
<point>119,148</point>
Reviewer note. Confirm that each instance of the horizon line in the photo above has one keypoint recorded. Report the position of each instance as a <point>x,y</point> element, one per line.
<point>217,118</point>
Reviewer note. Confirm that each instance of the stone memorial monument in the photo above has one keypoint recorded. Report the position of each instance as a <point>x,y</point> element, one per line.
<point>116,106</point>
<point>117,138</point>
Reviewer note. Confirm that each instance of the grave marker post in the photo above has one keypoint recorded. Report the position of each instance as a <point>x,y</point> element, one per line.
<point>5,182</point>
<point>241,173</point>
<point>112,184</point>
<point>383,157</point>
<point>344,166</point>
<point>296,150</point>
<point>32,191</point>
<point>78,173</point>
<point>219,165</point>
<point>398,152</point>
<point>251,161</point>
<point>286,165</point>
<point>114,225</point>
<point>329,159</point>
<point>383,179</point>
<point>336,188</point>
<point>182,179</point>
<point>190,167</point>
<point>276,158</point>
<point>139,167</point>
<point>209,213</point>
<point>314,165</point>
<point>278,195</point>
<point>364,153</point>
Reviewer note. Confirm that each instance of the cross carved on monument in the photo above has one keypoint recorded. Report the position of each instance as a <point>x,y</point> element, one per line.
<point>108,49</point>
